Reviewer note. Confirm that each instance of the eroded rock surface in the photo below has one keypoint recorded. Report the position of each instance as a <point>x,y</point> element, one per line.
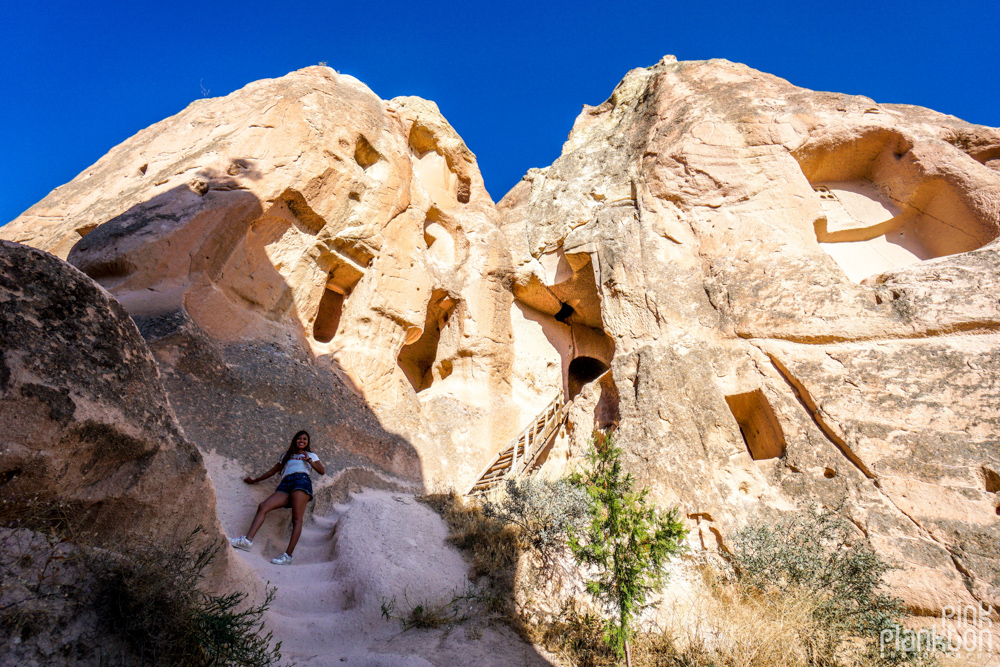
<point>87,440</point>
<point>301,254</point>
<point>797,288</point>
<point>778,296</point>
<point>83,414</point>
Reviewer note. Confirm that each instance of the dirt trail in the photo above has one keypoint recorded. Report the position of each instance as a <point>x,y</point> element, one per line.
<point>378,546</point>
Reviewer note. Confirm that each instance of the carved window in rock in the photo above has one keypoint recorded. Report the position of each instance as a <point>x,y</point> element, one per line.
<point>340,282</point>
<point>418,359</point>
<point>758,424</point>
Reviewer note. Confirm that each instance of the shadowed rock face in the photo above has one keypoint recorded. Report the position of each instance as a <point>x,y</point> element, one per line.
<point>794,292</point>
<point>83,415</point>
<point>800,288</point>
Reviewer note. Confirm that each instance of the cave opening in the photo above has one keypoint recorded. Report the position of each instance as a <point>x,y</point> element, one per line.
<point>417,359</point>
<point>991,480</point>
<point>582,371</point>
<point>758,424</point>
<point>340,283</point>
<point>331,307</point>
<point>879,212</point>
<point>565,312</point>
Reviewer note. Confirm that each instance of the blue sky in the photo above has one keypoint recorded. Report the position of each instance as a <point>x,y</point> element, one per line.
<point>78,78</point>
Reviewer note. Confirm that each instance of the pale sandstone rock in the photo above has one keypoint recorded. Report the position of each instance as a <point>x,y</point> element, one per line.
<point>792,291</point>
<point>776,270</point>
<point>303,254</point>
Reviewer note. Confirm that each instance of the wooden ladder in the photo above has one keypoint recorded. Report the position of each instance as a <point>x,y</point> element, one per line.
<point>520,456</point>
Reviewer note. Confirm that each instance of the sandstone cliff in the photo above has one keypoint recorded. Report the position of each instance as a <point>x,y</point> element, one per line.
<point>791,291</point>
<point>777,295</point>
<point>301,254</point>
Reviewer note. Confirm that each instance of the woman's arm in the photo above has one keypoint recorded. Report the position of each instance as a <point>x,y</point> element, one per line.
<point>273,471</point>
<point>317,466</point>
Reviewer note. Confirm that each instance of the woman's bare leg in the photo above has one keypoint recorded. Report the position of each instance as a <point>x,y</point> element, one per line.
<point>273,502</point>
<point>299,501</point>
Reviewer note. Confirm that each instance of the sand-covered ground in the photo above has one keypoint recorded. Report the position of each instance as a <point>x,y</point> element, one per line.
<point>377,546</point>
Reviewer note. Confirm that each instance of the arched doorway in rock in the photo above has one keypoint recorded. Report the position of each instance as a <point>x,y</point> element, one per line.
<point>565,300</point>
<point>581,372</point>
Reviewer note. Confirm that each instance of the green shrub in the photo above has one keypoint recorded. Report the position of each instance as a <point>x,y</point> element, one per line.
<point>626,544</point>
<point>816,553</point>
<point>544,511</point>
<point>149,597</point>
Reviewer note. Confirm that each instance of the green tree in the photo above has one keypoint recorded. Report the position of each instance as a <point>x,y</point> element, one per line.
<point>627,543</point>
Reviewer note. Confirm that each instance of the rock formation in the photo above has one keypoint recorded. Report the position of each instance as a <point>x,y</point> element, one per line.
<point>89,444</point>
<point>83,415</point>
<point>795,285</point>
<point>303,254</point>
<point>778,296</point>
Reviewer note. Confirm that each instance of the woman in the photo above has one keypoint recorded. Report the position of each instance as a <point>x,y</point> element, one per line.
<point>295,491</point>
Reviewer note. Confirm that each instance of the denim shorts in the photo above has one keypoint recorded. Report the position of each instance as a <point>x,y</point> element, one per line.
<point>297,481</point>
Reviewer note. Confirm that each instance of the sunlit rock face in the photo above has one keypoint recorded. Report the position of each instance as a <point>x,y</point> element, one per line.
<point>302,254</point>
<point>777,296</point>
<point>796,295</point>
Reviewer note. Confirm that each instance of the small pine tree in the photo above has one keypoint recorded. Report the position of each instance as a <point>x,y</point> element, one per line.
<point>627,542</point>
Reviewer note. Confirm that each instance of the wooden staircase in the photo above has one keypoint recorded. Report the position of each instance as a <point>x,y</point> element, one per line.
<point>521,455</point>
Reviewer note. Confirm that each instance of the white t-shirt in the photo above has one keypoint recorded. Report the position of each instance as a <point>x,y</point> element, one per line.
<point>297,463</point>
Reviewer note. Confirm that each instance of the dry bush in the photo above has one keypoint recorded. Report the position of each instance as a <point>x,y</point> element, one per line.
<point>430,614</point>
<point>150,598</point>
<point>737,627</point>
<point>40,578</point>
<point>493,548</point>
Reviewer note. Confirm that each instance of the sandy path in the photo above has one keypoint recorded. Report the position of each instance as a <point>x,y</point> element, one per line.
<point>379,545</point>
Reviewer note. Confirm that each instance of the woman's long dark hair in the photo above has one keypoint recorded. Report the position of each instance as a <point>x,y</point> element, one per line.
<point>292,449</point>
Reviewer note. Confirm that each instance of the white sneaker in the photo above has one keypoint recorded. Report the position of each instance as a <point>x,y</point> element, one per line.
<point>241,543</point>
<point>283,559</point>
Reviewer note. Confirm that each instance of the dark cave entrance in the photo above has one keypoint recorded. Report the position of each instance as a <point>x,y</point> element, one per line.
<point>340,283</point>
<point>582,371</point>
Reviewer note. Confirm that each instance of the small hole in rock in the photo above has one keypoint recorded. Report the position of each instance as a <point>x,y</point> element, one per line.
<point>991,480</point>
<point>565,312</point>
<point>83,230</point>
<point>829,473</point>
<point>9,475</point>
<point>364,154</point>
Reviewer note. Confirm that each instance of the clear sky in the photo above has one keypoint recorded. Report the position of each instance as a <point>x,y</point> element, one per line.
<point>78,78</point>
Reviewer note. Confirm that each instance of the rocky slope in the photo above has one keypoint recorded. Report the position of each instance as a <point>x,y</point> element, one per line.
<point>91,445</point>
<point>792,292</point>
